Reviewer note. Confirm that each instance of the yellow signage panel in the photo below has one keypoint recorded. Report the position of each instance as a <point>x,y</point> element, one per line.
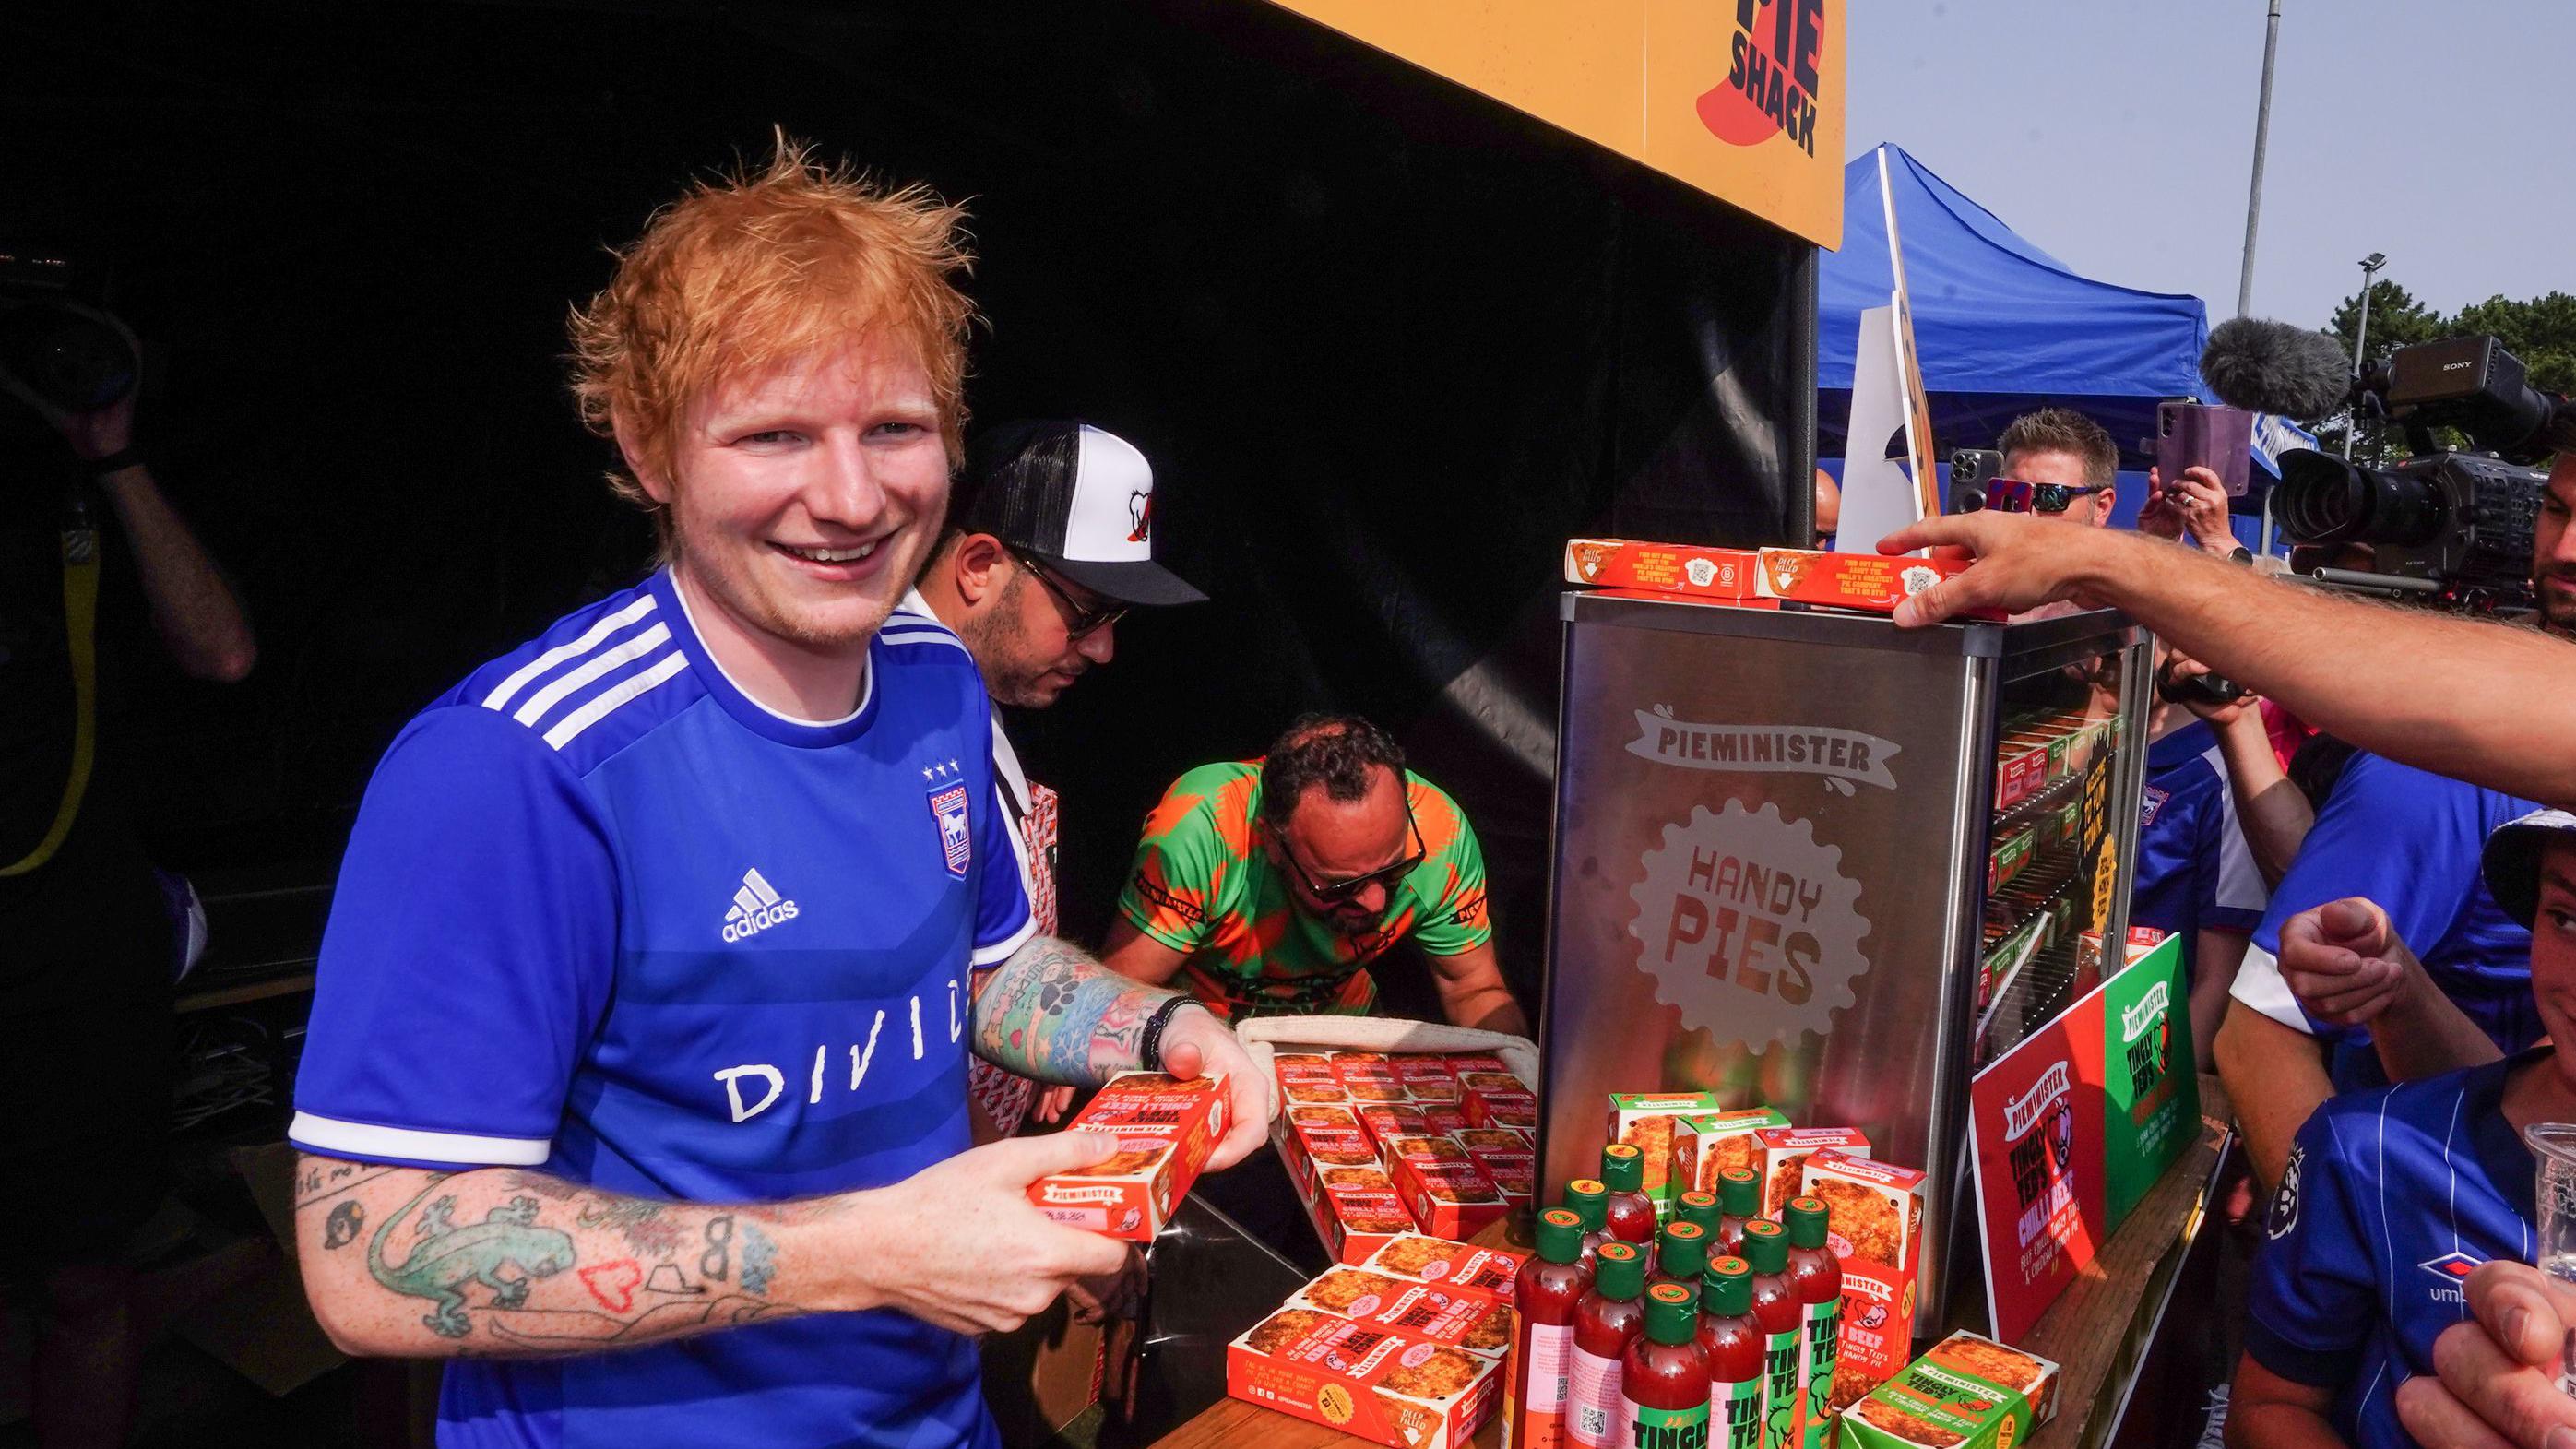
<point>1741,98</point>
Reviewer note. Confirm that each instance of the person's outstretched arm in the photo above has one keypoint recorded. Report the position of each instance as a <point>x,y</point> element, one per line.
<point>2488,703</point>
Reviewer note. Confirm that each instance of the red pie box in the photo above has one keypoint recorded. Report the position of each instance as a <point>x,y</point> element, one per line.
<point>1165,1129</point>
<point>1665,568</point>
<point>1874,582</point>
<point>1446,1313</point>
<point>1374,1383</point>
<point>1437,1260</point>
<point>1503,1109</point>
<point>1449,1199</point>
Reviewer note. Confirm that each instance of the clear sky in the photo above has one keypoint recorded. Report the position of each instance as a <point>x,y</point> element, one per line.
<point>2118,136</point>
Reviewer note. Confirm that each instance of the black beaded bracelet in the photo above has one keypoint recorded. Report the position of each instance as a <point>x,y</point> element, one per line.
<point>1149,1051</point>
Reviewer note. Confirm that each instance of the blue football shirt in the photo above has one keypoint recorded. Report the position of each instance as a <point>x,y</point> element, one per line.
<point>2388,1200</point>
<point>2410,841</point>
<point>606,915</point>
<point>2194,871</point>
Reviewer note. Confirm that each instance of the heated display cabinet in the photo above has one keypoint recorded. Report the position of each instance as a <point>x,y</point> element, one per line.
<point>1812,861</point>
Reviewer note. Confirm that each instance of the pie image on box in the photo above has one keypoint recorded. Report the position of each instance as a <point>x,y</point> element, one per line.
<point>1339,1288</point>
<point>1324,1117</point>
<point>1704,1145</point>
<point>1875,1208</point>
<point>1313,1091</point>
<point>1438,1260</point>
<point>1357,1179</point>
<point>1491,1082</point>
<point>2033,1377</point>
<point>1366,1090</point>
<point>1444,1313</point>
<point>1379,1384</point>
<point>1784,1153</point>
<point>1907,1427</point>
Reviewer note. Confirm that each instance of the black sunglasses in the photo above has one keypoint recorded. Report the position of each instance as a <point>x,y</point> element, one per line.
<point>1082,621</point>
<point>1333,893</point>
<point>2011,495</point>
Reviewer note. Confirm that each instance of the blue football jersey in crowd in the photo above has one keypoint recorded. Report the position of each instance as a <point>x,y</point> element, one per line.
<point>605,915</point>
<point>2195,871</point>
<point>2410,841</point>
<point>2389,1198</point>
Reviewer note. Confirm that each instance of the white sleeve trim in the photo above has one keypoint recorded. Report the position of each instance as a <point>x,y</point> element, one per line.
<point>1000,951</point>
<point>2259,985</point>
<point>2240,884</point>
<point>365,1139</point>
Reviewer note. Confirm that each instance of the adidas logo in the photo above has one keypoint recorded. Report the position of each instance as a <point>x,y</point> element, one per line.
<point>756,908</point>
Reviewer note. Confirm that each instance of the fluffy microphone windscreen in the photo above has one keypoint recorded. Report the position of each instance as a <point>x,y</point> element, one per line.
<point>2274,367</point>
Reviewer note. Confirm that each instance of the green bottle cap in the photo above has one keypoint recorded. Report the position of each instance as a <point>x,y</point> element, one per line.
<point>1590,1201</point>
<point>1698,1207</point>
<point>1739,1192</point>
<point>1671,1314</point>
<point>1766,1247</point>
<point>1683,1253</point>
<point>1623,1167</point>
<point>1560,1235</point>
<point>1619,1271</point>
<point>1808,1219</point>
<point>1727,1290</point>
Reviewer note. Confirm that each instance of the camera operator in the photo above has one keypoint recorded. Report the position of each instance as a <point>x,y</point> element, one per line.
<point>2192,509</point>
<point>91,939</point>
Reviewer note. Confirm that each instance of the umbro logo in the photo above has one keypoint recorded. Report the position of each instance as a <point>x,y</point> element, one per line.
<point>2453,1269</point>
<point>756,908</point>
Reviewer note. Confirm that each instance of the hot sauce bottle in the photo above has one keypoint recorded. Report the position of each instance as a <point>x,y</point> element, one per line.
<point>1550,1285</point>
<point>1589,1200</point>
<point>1700,1208</point>
<point>1777,1312</point>
<point>1612,1312</point>
<point>1816,1281</point>
<point>1739,1201</point>
<point>1733,1342</point>
<point>1663,1379</point>
<point>1681,1256</point>
<point>1632,1213</point>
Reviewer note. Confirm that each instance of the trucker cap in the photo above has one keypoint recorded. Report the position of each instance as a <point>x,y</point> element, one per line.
<point>1077,497</point>
<point>2512,861</point>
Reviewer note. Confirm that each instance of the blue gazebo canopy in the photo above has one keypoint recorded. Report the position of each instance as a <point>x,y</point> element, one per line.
<point>2001,326</point>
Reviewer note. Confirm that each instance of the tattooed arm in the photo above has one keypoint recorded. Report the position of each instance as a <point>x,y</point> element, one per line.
<point>1051,1012</point>
<point>407,1263</point>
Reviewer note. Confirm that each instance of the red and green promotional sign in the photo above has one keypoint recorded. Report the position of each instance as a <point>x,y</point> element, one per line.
<point>2071,1127</point>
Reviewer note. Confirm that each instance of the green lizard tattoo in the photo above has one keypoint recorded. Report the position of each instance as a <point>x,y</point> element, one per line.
<point>447,1257</point>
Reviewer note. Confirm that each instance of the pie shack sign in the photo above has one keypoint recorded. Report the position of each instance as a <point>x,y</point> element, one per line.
<point>1740,98</point>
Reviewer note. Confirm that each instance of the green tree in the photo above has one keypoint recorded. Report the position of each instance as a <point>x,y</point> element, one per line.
<point>2396,320</point>
<point>2542,332</point>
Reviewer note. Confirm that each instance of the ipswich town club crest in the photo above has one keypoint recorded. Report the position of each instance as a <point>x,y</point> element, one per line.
<point>948,807</point>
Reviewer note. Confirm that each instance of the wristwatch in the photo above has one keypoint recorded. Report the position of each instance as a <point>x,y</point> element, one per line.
<point>2242,555</point>
<point>1149,1051</point>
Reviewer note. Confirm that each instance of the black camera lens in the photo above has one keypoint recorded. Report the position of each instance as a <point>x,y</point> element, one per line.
<point>2325,499</point>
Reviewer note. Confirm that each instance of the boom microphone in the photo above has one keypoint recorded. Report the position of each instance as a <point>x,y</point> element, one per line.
<point>2275,367</point>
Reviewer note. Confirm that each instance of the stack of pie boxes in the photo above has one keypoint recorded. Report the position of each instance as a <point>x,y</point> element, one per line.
<point>1383,1144</point>
<point>1406,1348</point>
<point>1875,1208</point>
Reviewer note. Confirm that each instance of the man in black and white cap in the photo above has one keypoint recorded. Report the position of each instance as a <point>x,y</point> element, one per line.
<point>1049,543</point>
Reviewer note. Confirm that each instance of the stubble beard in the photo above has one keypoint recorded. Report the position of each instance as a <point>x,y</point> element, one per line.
<point>999,645</point>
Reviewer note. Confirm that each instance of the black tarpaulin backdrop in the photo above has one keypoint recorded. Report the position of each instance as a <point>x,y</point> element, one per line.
<point>1388,343</point>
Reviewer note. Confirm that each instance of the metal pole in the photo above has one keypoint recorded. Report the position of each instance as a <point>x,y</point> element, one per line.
<point>2361,335</point>
<point>2262,134</point>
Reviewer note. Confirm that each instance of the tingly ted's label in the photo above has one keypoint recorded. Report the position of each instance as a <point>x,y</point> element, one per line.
<point>1665,1428</point>
<point>1820,1353</point>
<point>1780,1400</point>
<point>1735,1412</point>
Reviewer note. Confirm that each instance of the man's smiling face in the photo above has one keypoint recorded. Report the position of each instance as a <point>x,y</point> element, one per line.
<point>804,498</point>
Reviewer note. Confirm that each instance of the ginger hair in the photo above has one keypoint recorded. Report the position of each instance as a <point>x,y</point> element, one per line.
<point>755,269</point>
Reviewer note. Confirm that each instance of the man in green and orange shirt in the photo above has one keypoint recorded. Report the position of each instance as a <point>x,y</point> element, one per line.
<point>1269,885</point>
